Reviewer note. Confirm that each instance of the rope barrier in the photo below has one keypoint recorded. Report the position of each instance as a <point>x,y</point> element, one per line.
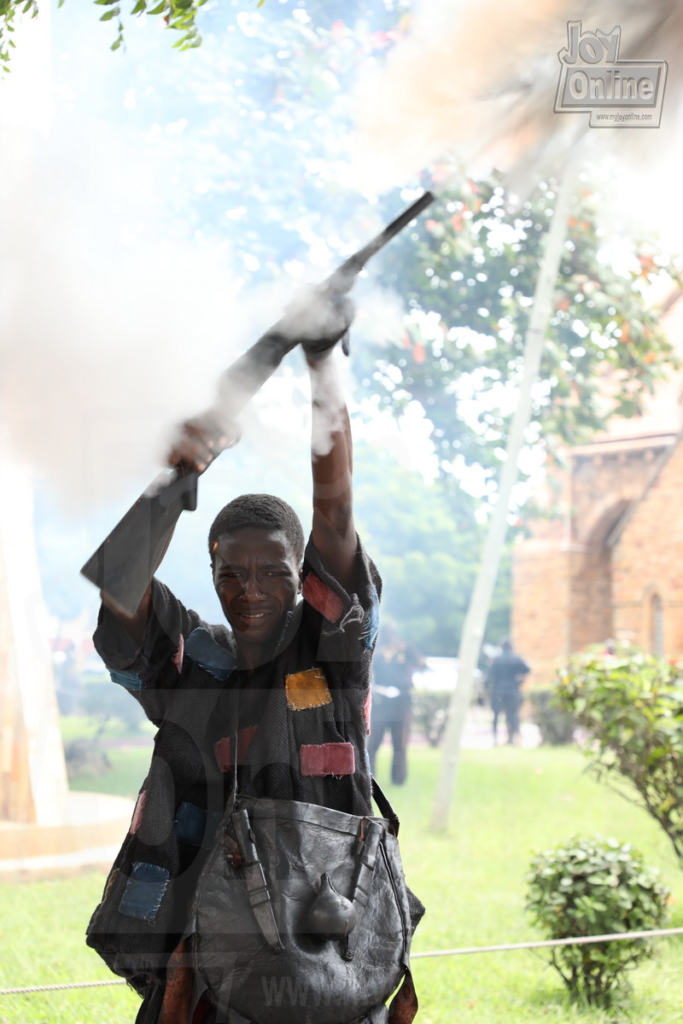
<point>506,947</point>
<point>580,940</point>
<point>58,988</point>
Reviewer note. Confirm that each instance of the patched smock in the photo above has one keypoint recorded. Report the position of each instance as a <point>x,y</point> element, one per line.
<point>301,721</point>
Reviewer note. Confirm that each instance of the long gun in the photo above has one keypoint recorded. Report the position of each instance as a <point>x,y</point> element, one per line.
<point>124,564</point>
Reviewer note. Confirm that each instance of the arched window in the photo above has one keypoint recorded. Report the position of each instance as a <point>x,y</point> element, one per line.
<point>656,625</point>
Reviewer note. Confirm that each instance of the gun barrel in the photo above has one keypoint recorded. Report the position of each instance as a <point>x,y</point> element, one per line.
<point>343,277</point>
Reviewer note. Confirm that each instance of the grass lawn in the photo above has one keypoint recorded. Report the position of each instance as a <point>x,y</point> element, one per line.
<point>510,804</point>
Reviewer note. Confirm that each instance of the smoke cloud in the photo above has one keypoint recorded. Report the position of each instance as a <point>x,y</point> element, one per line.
<point>113,329</point>
<point>473,84</point>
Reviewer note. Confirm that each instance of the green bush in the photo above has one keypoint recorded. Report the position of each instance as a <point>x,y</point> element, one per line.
<point>555,725</point>
<point>631,704</point>
<point>596,887</point>
<point>430,712</point>
<point>105,701</point>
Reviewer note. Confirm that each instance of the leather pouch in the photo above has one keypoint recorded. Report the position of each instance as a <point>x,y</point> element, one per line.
<point>302,915</point>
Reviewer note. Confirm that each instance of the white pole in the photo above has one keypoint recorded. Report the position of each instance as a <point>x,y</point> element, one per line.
<point>480,602</point>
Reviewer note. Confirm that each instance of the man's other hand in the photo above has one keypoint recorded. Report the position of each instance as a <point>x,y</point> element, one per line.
<point>317,317</point>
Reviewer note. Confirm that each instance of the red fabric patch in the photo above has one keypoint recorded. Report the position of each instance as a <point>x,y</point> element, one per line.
<point>177,658</point>
<point>327,759</point>
<point>136,820</point>
<point>222,749</point>
<point>322,598</point>
<point>367,711</point>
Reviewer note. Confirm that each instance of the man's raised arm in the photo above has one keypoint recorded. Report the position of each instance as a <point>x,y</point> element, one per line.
<point>334,534</point>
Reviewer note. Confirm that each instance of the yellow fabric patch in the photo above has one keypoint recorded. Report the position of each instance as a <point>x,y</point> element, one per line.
<point>307,689</point>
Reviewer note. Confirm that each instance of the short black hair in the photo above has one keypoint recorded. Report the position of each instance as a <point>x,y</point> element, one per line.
<point>260,510</point>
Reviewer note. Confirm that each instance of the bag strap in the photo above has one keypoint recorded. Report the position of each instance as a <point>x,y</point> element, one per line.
<point>386,810</point>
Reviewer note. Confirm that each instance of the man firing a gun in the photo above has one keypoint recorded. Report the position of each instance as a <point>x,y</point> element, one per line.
<point>269,710</point>
<point>271,655</point>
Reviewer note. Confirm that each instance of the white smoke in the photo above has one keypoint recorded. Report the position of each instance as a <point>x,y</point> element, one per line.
<point>110,334</point>
<point>473,85</point>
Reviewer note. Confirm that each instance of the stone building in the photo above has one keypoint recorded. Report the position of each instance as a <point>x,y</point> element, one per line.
<point>607,562</point>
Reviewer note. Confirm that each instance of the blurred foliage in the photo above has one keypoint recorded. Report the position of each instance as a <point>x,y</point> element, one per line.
<point>430,713</point>
<point>467,273</point>
<point>177,14</point>
<point>555,725</point>
<point>596,887</point>
<point>631,704</point>
<point>426,543</point>
<point>85,756</point>
<point>8,10</point>
<point>104,702</point>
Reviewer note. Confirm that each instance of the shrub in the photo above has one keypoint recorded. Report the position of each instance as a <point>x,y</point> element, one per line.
<point>85,757</point>
<point>555,725</point>
<point>105,701</point>
<point>631,704</point>
<point>430,712</point>
<point>595,887</point>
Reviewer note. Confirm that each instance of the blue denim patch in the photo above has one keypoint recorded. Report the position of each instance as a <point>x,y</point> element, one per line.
<point>195,826</point>
<point>209,655</point>
<point>144,891</point>
<point>131,680</point>
<point>371,624</point>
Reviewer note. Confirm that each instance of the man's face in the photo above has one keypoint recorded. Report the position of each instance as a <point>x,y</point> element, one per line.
<point>256,576</point>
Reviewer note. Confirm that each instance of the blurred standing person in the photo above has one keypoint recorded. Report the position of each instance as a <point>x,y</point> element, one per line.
<point>504,682</point>
<point>393,669</point>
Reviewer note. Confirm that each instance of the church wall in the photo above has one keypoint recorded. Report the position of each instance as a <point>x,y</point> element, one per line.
<point>647,562</point>
<point>590,610</point>
<point>540,595</point>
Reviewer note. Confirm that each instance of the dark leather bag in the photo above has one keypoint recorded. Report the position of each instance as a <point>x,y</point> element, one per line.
<point>302,916</point>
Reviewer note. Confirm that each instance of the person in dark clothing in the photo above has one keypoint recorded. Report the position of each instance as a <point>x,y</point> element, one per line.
<point>288,676</point>
<point>393,668</point>
<point>505,677</point>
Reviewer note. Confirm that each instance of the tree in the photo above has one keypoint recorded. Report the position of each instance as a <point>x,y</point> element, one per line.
<point>426,550</point>
<point>178,14</point>
<point>467,274</point>
<point>480,601</point>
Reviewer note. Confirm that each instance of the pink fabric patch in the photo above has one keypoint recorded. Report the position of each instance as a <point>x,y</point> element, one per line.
<point>367,711</point>
<point>178,656</point>
<point>222,749</point>
<point>327,759</point>
<point>322,598</point>
<point>136,820</point>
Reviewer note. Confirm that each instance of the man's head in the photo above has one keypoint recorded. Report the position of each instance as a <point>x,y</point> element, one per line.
<point>506,645</point>
<point>256,544</point>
